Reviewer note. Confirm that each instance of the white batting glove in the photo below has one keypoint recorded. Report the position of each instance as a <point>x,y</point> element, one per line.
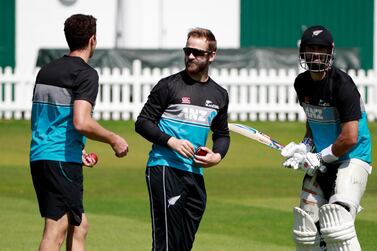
<point>292,148</point>
<point>315,161</point>
<point>295,154</point>
<point>295,161</point>
<point>311,163</point>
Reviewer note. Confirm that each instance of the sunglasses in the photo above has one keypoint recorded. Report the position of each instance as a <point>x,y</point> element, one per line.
<point>196,52</point>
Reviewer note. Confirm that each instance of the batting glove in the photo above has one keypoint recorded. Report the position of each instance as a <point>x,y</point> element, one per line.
<point>312,163</point>
<point>295,161</point>
<point>292,148</point>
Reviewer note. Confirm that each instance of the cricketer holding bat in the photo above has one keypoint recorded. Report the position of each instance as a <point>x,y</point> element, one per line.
<point>338,138</point>
<point>64,95</point>
<point>180,111</point>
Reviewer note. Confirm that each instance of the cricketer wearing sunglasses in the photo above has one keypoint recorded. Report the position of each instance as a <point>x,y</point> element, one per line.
<point>180,111</point>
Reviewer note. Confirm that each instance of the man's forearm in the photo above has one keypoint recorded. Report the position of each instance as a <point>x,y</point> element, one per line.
<point>91,129</point>
<point>151,132</point>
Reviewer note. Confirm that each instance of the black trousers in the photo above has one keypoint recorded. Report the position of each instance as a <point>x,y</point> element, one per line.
<point>177,203</point>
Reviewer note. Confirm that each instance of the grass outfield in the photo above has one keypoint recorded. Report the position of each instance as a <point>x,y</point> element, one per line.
<point>250,197</point>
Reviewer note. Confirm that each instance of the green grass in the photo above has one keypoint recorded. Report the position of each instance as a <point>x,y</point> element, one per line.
<point>250,196</point>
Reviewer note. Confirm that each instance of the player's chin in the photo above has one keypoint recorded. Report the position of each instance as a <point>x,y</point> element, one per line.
<point>192,68</point>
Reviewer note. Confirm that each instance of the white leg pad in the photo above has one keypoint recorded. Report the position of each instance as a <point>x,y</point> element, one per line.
<point>338,229</point>
<point>305,233</point>
<point>312,198</point>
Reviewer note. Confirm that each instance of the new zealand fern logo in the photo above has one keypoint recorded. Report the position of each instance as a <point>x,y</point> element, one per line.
<point>316,33</point>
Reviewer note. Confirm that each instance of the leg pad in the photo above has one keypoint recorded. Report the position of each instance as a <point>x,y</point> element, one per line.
<point>338,229</point>
<point>305,233</point>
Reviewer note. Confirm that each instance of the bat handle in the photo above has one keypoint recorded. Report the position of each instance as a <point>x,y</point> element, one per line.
<point>312,180</point>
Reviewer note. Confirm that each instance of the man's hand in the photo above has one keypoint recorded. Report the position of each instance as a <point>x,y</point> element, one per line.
<point>119,145</point>
<point>294,161</point>
<point>182,146</point>
<point>292,148</point>
<point>89,159</point>
<point>295,154</point>
<point>311,163</point>
<point>208,160</point>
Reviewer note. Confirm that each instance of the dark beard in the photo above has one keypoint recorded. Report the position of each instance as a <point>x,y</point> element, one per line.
<point>194,68</point>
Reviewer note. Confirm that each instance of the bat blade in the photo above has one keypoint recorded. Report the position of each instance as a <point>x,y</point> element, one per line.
<point>256,135</point>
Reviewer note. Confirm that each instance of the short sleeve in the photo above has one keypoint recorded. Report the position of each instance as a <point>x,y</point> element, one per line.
<point>86,86</point>
<point>348,101</point>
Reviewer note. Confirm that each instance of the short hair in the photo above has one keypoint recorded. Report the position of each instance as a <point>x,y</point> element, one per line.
<point>78,29</point>
<point>204,33</point>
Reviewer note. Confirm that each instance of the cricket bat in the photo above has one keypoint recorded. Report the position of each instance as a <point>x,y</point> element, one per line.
<point>263,138</point>
<point>256,135</point>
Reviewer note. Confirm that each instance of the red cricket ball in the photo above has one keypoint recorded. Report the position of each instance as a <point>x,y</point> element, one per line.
<point>94,156</point>
<point>201,152</point>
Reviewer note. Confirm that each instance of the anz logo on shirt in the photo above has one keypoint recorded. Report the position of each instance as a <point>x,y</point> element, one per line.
<point>321,113</point>
<point>193,114</point>
<point>313,112</point>
<point>190,113</point>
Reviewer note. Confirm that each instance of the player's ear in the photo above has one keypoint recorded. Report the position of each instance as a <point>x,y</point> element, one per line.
<point>93,41</point>
<point>212,56</point>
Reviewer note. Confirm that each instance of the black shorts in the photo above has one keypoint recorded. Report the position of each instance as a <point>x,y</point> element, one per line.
<point>177,204</point>
<point>59,189</point>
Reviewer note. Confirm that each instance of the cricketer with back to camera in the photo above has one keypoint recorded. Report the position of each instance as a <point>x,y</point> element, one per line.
<point>64,95</point>
<point>337,137</point>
